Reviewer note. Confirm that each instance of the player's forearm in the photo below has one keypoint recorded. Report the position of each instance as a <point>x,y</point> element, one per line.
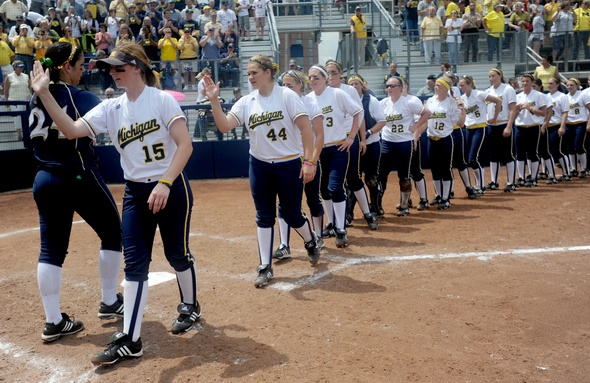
<point>355,126</point>
<point>183,153</point>
<point>318,129</point>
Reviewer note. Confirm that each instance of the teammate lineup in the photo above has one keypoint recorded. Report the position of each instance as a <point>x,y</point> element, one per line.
<point>337,144</point>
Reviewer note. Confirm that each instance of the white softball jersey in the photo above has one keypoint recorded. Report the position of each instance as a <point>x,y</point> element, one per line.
<point>577,110</point>
<point>400,116</point>
<point>535,99</point>
<point>475,108</point>
<point>508,96</point>
<point>336,106</point>
<point>560,105</point>
<point>444,115</point>
<point>139,130</point>
<point>274,137</point>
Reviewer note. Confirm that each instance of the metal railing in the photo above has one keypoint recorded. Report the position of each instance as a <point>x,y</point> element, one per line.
<point>273,33</point>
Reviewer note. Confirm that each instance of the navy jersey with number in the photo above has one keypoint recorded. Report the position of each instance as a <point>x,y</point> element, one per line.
<point>52,149</point>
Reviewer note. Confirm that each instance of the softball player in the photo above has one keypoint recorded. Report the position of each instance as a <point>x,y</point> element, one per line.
<point>530,105</point>
<point>557,125</point>
<point>399,138</point>
<point>547,165</point>
<point>354,182</point>
<point>474,102</point>
<point>374,122</point>
<point>577,122</point>
<point>445,114</point>
<point>296,81</point>
<point>279,128</point>
<point>500,134</point>
<point>149,131</point>
<point>339,131</point>
<point>66,180</point>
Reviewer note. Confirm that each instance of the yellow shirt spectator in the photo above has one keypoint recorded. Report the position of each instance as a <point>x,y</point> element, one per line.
<point>359,25</point>
<point>6,53</point>
<point>550,9</point>
<point>431,28</point>
<point>582,18</point>
<point>41,46</point>
<point>188,46</point>
<point>71,40</point>
<point>23,45</point>
<point>478,9</point>
<point>494,22</point>
<point>168,47</point>
<point>451,6</point>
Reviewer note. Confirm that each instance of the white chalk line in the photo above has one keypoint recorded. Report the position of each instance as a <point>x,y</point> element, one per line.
<point>21,231</point>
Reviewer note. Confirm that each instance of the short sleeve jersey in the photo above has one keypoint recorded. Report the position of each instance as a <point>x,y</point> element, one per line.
<point>505,93</point>
<point>260,8</point>
<point>475,107</point>
<point>378,115</point>
<point>534,99</point>
<point>561,105</point>
<point>140,131</point>
<point>444,116</point>
<point>337,107</point>
<point>51,147</point>
<point>271,123</point>
<point>577,108</point>
<point>400,117</point>
<point>352,92</point>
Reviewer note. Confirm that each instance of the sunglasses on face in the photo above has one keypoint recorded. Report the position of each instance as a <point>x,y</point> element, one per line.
<point>391,86</point>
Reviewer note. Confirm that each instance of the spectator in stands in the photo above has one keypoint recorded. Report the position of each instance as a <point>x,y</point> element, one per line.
<point>147,22</point>
<point>17,87</point>
<point>74,22</point>
<point>428,89</point>
<point>582,30</point>
<point>227,17</point>
<point>537,36</point>
<point>190,23</point>
<point>445,69</point>
<point>214,23</point>
<point>563,22</point>
<point>10,10</point>
<point>188,47</point>
<point>392,73</point>
<point>518,24</point>
<point>67,37</point>
<point>431,32</point>
<point>423,6</point>
<point>201,86</point>
<point>125,36</point>
<point>260,16</point>
<point>168,23</point>
<point>411,19</point>
<point>133,20</point>
<point>244,19</point>
<point>15,30</point>
<point>453,27</point>
<point>507,37</point>
<point>153,13</point>
<point>546,70</point>
<point>112,23</point>
<point>39,6</point>
<point>203,19</point>
<point>109,93</point>
<point>41,44</point>
<point>89,29</point>
<point>493,24</point>
<point>230,37</point>
<point>358,28</point>
<point>120,8</point>
<point>6,58</point>
<point>105,80</point>
<point>23,49</point>
<point>470,31</point>
<point>449,6</point>
<point>550,9</point>
<point>237,95</point>
<point>103,39</point>
<point>162,6</point>
<point>56,23</point>
<point>294,66</point>
<point>168,47</point>
<point>43,26</point>
<point>3,35</point>
<point>230,67</point>
<point>149,41</point>
<point>189,6</point>
<point>174,13</point>
<point>211,46</point>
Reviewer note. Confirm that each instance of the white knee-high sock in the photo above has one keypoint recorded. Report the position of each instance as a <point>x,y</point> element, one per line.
<point>534,169</point>
<point>136,294</point>
<point>187,285</point>
<point>329,211</point>
<point>464,174</point>
<point>565,165</point>
<point>305,231</point>
<point>478,175</point>
<point>573,162</point>
<point>421,187</point>
<point>520,167</point>
<point>583,161</point>
<point>317,224</point>
<point>109,264</point>
<point>549,167</point>
<point>494,166</point>
<point>529,166</point>
<point>339,214</point>
<point>510,170</point>
<point>437,187</point>
<point>265,239</point>
<point>49,280</point>
<point>363,200</point>
<point>446,190</point>
<point>284,232</point>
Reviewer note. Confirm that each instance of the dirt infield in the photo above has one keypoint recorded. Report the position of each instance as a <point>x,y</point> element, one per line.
<point>491,290</point>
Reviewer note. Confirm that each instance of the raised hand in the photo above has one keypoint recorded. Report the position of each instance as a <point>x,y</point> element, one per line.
<point>211,89</point>
<point>39,78</point>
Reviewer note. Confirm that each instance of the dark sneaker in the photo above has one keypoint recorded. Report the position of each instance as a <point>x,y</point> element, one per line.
<point>189,314</point>
<point>321,243</point>
<point>313,251</point>
<point>471,194</point>
<point>444,204</point>
<point>509,188</point>
<point>328,231</point>
<point>371,221</point>
<point>436,200</point>
<point>551,181</point>
<point>422,205</point>
<point>478,191</point>
<point>564,178</point>
<point>493,186</point>
<point>520,183</point>
<point>341,238</point>
<point>67,326</point>
<point>584,173</point>
<point>264,275</point>
<point>410,204</point>
<point>112,311</point>
<point>574,173</point>
<point>283,252</point>
<point>452,195</point>
<point>403,211</point>
<point>121,347</point>
<point>542,176</point>
<point>530,183</point>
